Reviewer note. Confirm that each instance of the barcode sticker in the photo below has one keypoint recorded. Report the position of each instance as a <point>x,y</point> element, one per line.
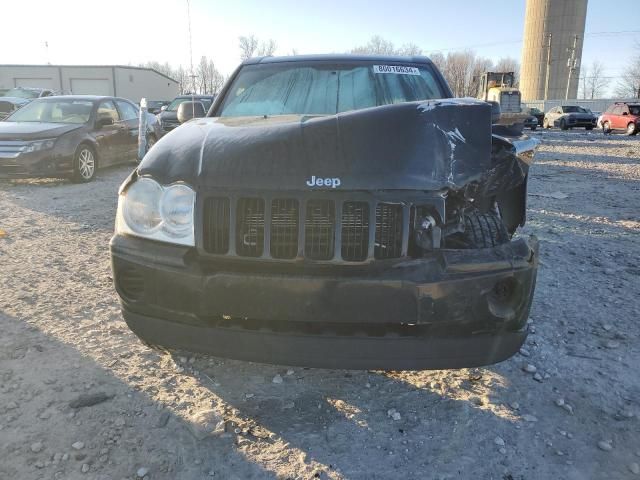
<point>396,69</point>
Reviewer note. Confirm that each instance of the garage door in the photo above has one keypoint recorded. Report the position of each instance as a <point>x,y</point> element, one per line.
<point>90,86</point>
<point>34,82</point>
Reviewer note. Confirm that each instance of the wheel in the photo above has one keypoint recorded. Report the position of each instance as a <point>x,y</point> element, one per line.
<point>533,129</point>
<point>631,129</point>
<point>606,126</point>
<point>588,128</point>
<point>481,230</point>
<point>563,125</point>
<point>84,164</point>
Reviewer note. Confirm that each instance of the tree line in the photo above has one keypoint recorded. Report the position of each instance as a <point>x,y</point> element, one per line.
<point>461,69</point>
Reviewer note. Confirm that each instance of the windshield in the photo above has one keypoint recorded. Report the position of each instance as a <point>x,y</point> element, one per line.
<point>572,109</point>
<point>22,93</point>
<point>173,106</point>
<point>316,88</point>
<point>634,109</point>
<point>59,111</point>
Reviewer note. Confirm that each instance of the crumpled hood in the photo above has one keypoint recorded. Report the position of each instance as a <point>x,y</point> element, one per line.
<point>428,145</point>
<point>34,130</point>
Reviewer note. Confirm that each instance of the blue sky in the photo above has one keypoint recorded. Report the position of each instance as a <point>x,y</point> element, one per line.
<point>134,31</point>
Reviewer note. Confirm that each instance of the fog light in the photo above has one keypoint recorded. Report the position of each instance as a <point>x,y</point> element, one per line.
<point>505,298</point>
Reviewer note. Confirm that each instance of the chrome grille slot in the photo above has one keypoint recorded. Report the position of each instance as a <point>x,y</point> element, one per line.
<point>319,230</point>
<point>216,225</point>
<point>250,227</point>
<point>388,238</point>
<point>284,228</point>
<point>355,231</point>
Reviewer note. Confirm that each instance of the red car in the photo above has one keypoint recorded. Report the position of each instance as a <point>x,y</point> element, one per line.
<point>622,117</point>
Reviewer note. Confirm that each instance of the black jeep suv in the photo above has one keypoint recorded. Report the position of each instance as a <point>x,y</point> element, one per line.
<point>331,211</point>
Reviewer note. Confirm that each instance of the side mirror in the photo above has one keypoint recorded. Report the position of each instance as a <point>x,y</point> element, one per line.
<point>189,110</point>
<point>104,121</point>
<point>163,108</point>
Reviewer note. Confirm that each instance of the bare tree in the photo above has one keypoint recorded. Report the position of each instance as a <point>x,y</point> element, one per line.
<point>629,83</point>
<point>183,79</point>
<point>376,46</point>
<point>459,71</point>
<point>248,46</point>
<point>409,50</point>
<point>267,48</point>
<point>593,81</point>
<point>439,60</point>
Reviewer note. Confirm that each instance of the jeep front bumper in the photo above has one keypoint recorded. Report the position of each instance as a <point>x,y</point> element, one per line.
<point>451,309</point>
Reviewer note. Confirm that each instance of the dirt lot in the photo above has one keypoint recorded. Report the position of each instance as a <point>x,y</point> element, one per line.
<point>63,343</point>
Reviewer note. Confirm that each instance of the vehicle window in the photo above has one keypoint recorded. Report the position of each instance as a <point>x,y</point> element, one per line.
<point>22,93</point>
<point>634,109</point>
<point>573,109</point>
<point>128,111</point>
<point>173,106</point>
<point>617,110</point>
<point>108,109</point>
<point>321,89</point>
<point>61,111</point>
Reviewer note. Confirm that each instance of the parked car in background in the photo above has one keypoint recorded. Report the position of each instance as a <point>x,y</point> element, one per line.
<point>531,122</point>
<point>621,117</point>
<point>336,211</point>
<point>155,106</point>
<point>536,112</point>
<point>70,136</point>
<point>569,116</point>
<point>16,98</point>
<point>169,116</point>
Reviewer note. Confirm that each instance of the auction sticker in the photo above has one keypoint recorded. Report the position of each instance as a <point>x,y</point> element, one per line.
<point>396,69</point>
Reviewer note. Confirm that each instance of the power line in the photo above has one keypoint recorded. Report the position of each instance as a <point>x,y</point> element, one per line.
<point>510,42</point>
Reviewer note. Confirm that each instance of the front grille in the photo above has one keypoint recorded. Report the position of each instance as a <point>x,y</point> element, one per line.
<point>316,229</point>
<point>355,231</point>
<point>284,228</point>
<point>388,230</point>
<point>319,229</point>
<point>12,149</point>
<point>216,224</point>
<point>250,227</point>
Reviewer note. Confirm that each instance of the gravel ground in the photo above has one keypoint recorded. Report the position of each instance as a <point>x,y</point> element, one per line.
<point>81,397</point>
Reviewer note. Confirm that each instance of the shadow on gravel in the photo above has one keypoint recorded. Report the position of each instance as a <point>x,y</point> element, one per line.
<point>41,378</point>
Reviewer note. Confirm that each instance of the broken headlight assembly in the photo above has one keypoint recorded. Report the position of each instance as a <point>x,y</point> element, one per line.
<point>164,213</point>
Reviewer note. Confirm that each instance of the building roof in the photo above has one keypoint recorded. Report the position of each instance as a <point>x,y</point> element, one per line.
<point>92,66</point>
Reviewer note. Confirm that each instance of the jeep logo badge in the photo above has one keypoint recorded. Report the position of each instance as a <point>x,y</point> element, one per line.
<point>323,182</point>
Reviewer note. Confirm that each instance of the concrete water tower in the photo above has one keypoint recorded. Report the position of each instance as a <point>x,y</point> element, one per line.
<point>552,48</point>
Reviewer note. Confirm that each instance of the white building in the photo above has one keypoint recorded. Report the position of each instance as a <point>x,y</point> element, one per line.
<point>132,83</point>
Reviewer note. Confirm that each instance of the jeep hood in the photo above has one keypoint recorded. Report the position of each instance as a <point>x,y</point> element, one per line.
<point>429,145</point>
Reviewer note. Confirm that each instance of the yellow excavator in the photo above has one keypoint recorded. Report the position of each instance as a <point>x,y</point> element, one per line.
<point>498,88</point>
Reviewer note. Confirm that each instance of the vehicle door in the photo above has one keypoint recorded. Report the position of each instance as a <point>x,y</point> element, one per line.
<point>129,117</point>
<point>624,117</point>
<point>617,118</point>
<point>110,133</point>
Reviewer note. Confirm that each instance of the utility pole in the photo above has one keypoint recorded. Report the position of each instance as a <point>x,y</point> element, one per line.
<point>546,82</point>
<point>572,63</point>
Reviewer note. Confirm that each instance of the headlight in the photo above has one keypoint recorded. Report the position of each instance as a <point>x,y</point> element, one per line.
<point>40,145</point>
<point>150,210</point>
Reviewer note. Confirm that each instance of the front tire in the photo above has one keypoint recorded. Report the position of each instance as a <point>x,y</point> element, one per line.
<point>563,125</point>
<point>84,165</point>
<point>588,128</point>
<point>606,126</point>
<point>481,230</point>
<point>631,129</point>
